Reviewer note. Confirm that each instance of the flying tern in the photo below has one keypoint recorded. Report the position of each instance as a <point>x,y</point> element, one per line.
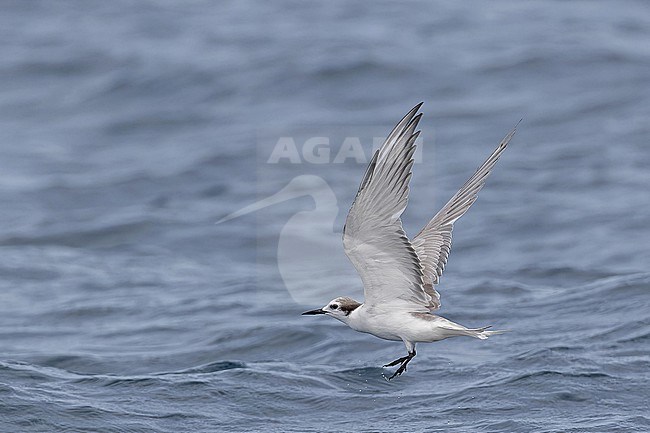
<point>400,275</point>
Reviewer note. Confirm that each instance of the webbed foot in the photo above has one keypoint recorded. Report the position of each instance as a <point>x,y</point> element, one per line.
<point>404,362</point>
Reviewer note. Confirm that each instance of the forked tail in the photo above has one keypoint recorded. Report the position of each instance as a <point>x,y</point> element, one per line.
<point>483,333</point>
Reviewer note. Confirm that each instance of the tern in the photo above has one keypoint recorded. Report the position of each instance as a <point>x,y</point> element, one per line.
<point>399,275</point>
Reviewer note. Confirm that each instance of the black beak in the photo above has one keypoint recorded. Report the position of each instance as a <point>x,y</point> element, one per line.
<point>312,312</point>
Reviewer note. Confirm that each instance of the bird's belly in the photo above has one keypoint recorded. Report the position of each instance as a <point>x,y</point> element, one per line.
<point>427,328</point>
<point>382,326</point>
<point>423,332</point>
<point>405,326</point>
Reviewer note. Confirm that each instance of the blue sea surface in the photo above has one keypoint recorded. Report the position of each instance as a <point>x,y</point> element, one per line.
<point>127,129</point>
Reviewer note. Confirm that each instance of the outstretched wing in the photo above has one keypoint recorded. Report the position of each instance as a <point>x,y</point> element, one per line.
<point>433,242</point>
<point>373,237</point>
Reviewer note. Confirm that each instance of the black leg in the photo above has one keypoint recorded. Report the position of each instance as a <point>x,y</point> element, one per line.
<point>402,368</point>
<point>397,361</point>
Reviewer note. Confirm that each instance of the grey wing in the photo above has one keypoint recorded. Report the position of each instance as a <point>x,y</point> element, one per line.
<point>433,243</point>
<point>373,237</point>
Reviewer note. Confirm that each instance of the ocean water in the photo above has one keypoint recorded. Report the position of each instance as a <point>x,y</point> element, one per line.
<point>127,129</point>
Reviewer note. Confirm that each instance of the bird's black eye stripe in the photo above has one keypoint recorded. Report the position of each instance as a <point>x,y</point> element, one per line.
<point>334,306</point>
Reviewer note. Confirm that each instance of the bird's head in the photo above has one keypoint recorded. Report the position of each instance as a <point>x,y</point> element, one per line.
<point>339,308</point>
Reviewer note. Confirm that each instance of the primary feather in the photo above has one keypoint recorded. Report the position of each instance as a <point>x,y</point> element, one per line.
<point>394,270</point>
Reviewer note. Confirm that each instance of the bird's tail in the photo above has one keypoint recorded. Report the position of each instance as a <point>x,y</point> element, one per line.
<point>483,333</point>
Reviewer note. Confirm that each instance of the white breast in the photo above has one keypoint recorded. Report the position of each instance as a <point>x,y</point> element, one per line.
<point>383,325</point>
